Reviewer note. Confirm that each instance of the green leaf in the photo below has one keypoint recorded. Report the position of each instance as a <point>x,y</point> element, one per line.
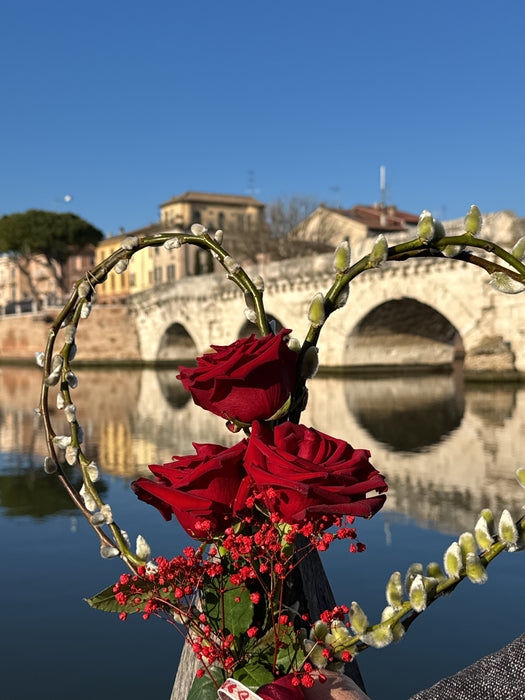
<point>291,655</point>
<point>204,688</point>
<point>253,676</point>
<point>237,614</point>
<point>105,600</point>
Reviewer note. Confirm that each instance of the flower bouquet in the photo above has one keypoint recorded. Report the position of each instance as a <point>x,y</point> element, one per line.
<point>261,511</point>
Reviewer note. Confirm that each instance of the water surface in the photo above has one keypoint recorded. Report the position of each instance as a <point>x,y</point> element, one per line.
<point>446,452</point>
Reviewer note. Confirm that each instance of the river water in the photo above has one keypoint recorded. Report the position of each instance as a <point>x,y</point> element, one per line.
<point>447,451</point>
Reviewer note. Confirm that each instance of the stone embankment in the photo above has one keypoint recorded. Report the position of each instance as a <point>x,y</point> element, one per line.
<point>108,337</point>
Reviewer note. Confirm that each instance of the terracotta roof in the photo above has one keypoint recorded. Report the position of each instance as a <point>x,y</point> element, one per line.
<point>379,218</point>
<point>213,198</point>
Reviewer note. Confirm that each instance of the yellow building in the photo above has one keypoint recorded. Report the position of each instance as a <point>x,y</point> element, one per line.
<point>116,286</point>
<point>148,268</point>
<point>215,211</point>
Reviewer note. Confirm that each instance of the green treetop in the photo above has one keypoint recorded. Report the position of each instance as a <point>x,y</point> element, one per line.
<point>53,236</point>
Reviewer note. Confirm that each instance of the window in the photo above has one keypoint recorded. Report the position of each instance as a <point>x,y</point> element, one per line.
<point>170,271</point>
<point>196,216</point>
<point>132,279</point>
<point>157,275</point>
<point>220,220</point>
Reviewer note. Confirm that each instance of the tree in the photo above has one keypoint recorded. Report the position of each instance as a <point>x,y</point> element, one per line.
<point>279,235</point>
<point>46,238</point>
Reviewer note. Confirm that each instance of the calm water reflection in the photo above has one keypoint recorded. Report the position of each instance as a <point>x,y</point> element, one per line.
<point>446,452</point>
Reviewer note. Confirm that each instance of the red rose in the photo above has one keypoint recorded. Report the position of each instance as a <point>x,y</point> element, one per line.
<point>249,380</point>
<point>199,489</point>
<point>304,473</point>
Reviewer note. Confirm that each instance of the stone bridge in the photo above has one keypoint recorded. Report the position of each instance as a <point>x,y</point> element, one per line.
<point>427,312</point>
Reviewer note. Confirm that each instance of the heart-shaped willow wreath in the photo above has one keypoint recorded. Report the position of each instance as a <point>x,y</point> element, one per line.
<point>245,627</point>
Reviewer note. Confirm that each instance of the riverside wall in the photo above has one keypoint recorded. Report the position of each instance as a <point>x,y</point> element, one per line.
<point>109,336</point>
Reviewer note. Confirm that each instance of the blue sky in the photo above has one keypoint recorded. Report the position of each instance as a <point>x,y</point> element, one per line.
<point>125,104</point>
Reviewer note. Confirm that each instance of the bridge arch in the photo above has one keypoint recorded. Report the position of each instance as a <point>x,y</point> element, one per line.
<point>176,344</point>
<point>403,332</point>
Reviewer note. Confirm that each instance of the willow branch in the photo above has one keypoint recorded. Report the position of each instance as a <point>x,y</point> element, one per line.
<point>84,292</point>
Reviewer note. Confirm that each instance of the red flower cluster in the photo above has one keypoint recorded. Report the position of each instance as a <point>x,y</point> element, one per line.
<point>256,498</point>
<point>297,473</point>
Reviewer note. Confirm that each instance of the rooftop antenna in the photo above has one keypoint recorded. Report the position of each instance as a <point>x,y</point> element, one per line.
<point>382,183</point>
<point>252,189</point>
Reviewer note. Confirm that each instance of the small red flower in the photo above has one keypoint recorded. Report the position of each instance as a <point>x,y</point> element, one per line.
<point>307,680</point>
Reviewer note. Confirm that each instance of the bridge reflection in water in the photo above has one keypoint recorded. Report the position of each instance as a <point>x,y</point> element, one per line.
<point>446,451</point>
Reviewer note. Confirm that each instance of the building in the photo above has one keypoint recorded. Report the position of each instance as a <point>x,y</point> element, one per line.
<point>40,284</point>
<point>229,212</point>
<point>148,267</point>
<point>79,262</point>
<point>237,214</point>
<point>8,281</point>
<point>328,226</point>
